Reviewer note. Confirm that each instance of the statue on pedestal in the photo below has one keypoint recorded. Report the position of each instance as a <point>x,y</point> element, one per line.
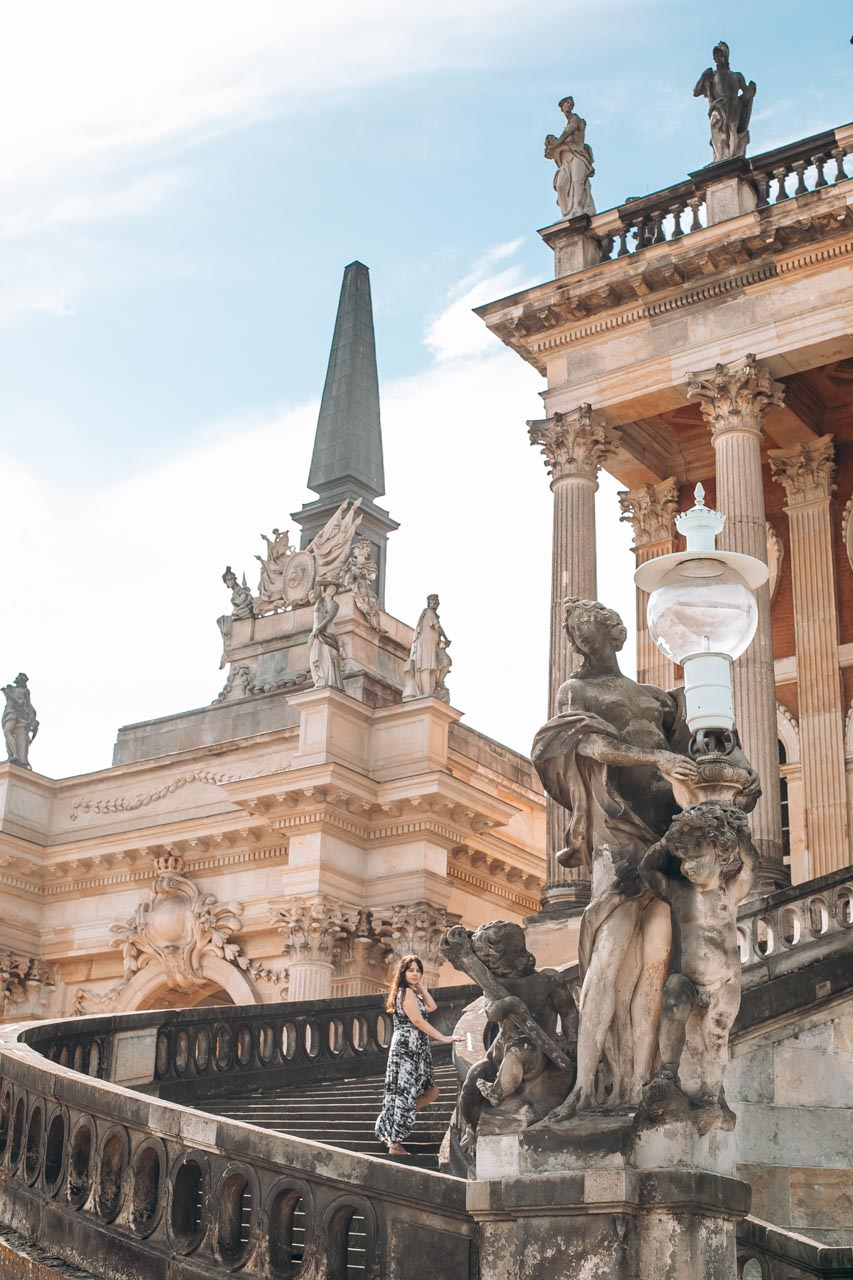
<point>20,724</point>
<point>527,1069</point>
<point>573,158</point>
<point>324,651</point>
<point>610,756</point>
<point>730,101</point>
<point>704,868</point>
<point>360,570</point>
<point>428,663</point>
<point>242,606</point>
<point>273,567</point>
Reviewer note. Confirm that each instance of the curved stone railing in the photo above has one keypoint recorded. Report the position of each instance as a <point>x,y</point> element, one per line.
<point>122,1183</point>
<point>796,926</point>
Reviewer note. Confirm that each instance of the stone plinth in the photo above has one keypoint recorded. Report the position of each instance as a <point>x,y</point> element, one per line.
<point>607,1199</point>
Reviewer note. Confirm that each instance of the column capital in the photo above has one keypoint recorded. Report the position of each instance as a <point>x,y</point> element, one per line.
<point>314,927</point>
<point>735,396</point>
<point>806,473</point>
<point>650,510</point>
<point>412,928</point>
<point>574,444</point>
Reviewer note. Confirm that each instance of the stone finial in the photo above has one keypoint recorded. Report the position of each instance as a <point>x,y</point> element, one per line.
<point>735,397</point>
<point>650,510</point>
<point>730,101</point>
<point>806,473</point>
<point>314,927</point>
<point>20,723</point>
<point>574,444</point>
<point>574,160</point>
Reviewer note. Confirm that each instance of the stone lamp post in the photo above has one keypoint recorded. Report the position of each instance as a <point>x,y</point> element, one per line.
<point>702,614</point>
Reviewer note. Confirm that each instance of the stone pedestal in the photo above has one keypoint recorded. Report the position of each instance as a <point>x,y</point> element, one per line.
<point>604,1198</point>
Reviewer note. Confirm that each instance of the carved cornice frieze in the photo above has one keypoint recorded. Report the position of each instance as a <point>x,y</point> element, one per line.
<point>129,803</point>
<point>574,444</point>
<point>735,397</point>
<point>806,473</point>
<point>315,927</point>
<point>650,510</point>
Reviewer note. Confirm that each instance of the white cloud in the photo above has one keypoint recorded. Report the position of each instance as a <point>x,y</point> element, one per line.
<point>457,332</point>
<point>116,592</point>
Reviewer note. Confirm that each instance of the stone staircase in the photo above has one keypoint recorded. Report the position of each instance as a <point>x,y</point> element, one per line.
<point>342,1113</point>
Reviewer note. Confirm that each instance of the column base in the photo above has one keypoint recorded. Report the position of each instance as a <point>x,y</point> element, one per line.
<point>602,1197</point>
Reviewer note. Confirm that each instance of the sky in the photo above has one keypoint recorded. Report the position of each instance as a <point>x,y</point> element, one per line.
<point>181,186</point>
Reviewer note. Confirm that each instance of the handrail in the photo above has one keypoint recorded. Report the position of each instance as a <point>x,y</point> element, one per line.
<point>98,1170</point>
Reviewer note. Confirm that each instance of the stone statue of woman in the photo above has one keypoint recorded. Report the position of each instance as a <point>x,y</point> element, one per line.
<point>324,651</point>
<point>573,158</point>
<point>20,724</point>
<point>428,662</point>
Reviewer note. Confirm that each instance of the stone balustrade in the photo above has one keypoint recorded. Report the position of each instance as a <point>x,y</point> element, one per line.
<point>123,1183</point>
<point>795,927</point>
<point>666,216</point>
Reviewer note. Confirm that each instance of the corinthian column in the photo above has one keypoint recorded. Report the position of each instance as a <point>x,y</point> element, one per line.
<point>575,447</point>
<point>734,400</point>
<point>650,511</point>
<point>315,929</point>
<point>806,475</point>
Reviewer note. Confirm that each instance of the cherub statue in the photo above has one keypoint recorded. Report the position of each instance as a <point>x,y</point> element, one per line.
<point>526,1065</point>
<point>729,105</point>
<point>20,723</point>
<point>704,867</point>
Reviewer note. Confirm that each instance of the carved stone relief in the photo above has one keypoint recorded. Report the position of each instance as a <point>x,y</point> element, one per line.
<point>25,985</point>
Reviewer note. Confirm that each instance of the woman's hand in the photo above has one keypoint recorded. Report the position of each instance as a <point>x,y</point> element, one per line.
<point>453,1039</point>
<point>675,767</point>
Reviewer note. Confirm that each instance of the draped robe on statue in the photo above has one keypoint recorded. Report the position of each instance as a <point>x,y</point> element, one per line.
<point>608,836</point>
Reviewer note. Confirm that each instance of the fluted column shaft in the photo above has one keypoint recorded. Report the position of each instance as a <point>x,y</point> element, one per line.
<point>734,400</point>
<point>650,510</point>
<point>575,447</point>
<point>806,475</point>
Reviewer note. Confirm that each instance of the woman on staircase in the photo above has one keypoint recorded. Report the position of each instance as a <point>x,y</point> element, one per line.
<point>409,1082</point>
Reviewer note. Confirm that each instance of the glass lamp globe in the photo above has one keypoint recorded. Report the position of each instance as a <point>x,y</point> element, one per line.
<point>702,613</point>
<point>702,606</point>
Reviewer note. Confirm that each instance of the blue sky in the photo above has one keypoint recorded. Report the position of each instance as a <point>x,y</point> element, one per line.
<point>181,188</point>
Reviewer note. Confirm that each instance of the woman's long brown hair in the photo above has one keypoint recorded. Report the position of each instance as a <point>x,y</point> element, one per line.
<point>397,981</point>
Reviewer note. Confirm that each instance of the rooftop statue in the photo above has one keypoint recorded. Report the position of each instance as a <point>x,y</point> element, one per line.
<point>331,546</point>
<point>324,651</point>
<point>574,161</point>
<point>242,606</point>
<point>359,572</point>
<point>273,566</point>
<point>610,756</point>
<point>428,663</point>
<point>527,1069</point>
<point>20,724</point>
<point>729,105</point>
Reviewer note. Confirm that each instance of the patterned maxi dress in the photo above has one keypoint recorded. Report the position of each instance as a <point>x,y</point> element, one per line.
<point>408,1075</point>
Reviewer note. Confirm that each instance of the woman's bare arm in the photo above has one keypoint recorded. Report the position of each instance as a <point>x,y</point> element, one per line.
<point>413,1013</point>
